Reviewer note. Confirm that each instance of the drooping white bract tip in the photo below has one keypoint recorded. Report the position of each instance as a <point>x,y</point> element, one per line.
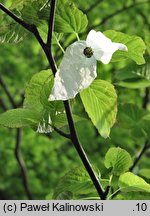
<point>121,46</point>
<point>102,46</point>
<point>75,73</point>
<point>43,127</point>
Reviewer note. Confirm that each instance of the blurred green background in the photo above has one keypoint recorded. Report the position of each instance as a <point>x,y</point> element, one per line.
<point>49,158</point>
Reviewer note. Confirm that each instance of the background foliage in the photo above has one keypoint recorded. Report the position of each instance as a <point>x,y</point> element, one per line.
<point>50,157</point>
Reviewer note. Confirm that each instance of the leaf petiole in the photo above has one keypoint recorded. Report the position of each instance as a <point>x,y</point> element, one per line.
<point>58,43</point>
<point>77,36</point>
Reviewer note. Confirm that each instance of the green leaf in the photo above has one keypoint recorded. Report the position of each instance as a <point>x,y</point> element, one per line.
<point>65,196</point>
<point>61,120</point>
<point>134,119</point>
<point>144,173</point>
<point>19,4</point>
<point>132,196</point>
<point>35,89</point>
<point>11,32</point>
<point>29,13</point>
<point>129,182</point>
<point>36,98</point>
<point>77,183</point>
<point>100,102</point>
<point>134,83</point>
<point>28,10</point>
<point>130,115</point>
<point>119,159</point>
<point>136,46</point>
<point>69,18</point>
<point>37,93</point>
<point>18,118</point>
<point>134,71</point>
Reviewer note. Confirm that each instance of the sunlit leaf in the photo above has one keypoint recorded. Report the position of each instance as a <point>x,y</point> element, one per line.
<point>129,182</point>
<point>100,102</point>
<point>69,18</point>
<point>134,71</point>
<point>118,159</point>
<point>76,182</point>
<point>136,46</point>
<point>18,118</point>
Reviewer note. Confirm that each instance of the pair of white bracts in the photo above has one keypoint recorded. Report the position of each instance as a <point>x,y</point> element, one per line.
<point>77,71</point>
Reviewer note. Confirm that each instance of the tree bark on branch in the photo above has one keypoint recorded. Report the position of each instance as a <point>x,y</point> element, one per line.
<point>17,151</point>
<point>47,49</point>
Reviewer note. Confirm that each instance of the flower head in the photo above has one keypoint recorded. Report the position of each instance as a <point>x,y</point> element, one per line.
<point>78,67</point>
<point>103,48</point>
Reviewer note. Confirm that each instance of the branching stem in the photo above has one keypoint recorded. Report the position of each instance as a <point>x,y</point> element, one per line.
<point>124,8</point>
<point>19,158</point>
<point>60,132</point>
<point>92,6</point>
<point>22,164</point>
<point>139,156</point>
<point>47,50</point>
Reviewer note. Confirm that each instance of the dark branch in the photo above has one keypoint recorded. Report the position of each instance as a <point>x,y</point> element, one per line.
<point>142,152</point>
<point>105,19</point>
<point>16,18</point>
<point>22,164</point>
<point>51,23</point>
<point>73,134</point>
<point>82,153</point>
<point>74,138</point>
<point>61,132</point>
<point>4,86</point>
<point>95,4</point>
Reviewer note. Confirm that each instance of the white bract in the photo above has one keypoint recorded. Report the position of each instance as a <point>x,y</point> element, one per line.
<point>43,127</point>
<point>78,67</point>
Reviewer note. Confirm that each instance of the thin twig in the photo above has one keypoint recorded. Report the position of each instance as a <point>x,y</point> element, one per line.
<point>22,164</point>
<point>19,159</point>
<point>4,86</point>
<point>142,152</point>
<point>114,194</point>
<point>95,4</point>
<point>73,134</point>
<point>105,19</point>
<point>146,144</point>
<point>61,132</point>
